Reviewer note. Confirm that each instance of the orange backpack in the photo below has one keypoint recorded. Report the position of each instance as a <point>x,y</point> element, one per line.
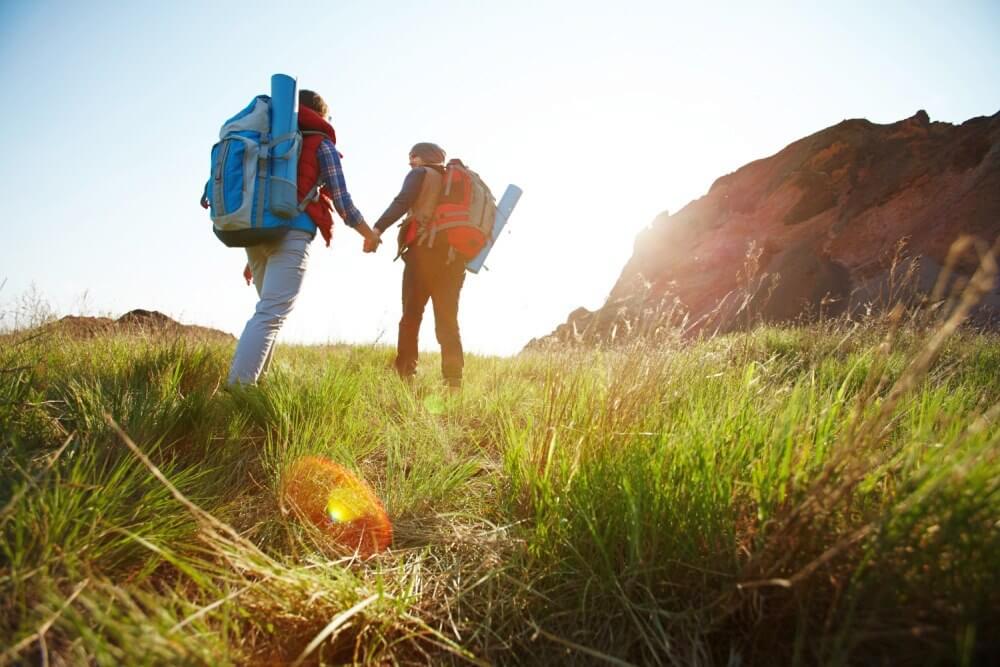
<point>464,213</point>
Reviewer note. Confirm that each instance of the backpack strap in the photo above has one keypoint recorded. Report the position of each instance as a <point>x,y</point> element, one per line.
<point>312,196</point>
<point>428,236</point>
<point>294,140</point>
<point>261,177</point>
<point>453,225</point>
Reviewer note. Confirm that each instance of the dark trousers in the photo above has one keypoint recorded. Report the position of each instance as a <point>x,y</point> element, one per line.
<point>429,275</point>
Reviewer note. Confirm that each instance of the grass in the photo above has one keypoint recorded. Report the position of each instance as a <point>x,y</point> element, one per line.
<point>801,495</point>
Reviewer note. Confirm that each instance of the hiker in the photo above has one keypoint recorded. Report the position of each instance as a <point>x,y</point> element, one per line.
<point>432,270</point>
<point>277,267</point>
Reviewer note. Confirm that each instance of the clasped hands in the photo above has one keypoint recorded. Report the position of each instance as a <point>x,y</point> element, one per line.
<point>372,241</point>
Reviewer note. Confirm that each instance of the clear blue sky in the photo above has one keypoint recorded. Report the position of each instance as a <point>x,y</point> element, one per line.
<point>604,113</point>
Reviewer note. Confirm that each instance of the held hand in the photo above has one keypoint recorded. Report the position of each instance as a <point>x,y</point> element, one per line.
<point>372,241</point>
<point>247,275</point>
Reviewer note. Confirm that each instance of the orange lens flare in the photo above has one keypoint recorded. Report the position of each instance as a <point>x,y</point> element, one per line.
<point>340,504</point>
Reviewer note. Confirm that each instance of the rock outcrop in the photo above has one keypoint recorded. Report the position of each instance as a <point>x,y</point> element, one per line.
<point>814,229</point>
<point>134,322</point>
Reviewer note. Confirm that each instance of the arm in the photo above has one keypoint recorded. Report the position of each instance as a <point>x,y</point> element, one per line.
<point>404,200</point>
<point>332,175</point>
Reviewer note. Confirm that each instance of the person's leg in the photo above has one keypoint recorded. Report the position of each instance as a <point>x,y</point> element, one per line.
<point>280,282</point>
<point>267,361</point>
<point>257,258</point>
<point>415,295</point>
<point>447,287</point>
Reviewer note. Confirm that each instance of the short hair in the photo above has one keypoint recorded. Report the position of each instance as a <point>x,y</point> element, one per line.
<point>312,99</point>
<point>430,153</point>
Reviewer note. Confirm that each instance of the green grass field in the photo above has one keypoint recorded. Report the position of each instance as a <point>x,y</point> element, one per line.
<point>794,496</point>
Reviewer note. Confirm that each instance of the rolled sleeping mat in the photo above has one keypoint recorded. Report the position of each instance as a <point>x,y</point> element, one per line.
<point>286,146</point>
<point>507,203</point>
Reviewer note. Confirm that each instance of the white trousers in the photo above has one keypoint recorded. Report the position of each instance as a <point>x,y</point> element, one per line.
<point>278,269</point>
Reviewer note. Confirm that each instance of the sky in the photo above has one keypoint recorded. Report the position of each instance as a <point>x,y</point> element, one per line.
<point>604,113</point>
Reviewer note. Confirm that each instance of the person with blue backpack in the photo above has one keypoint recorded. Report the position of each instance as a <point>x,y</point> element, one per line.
<point>246,194</point>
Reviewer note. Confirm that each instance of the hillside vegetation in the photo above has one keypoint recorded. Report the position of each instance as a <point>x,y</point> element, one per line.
<point>801,495</point>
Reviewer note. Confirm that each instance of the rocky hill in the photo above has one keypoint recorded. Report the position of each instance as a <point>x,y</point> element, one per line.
<point>814,229</point>
<point>135,322</point>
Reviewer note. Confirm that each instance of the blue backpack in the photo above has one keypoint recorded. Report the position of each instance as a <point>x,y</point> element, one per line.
<point>252,191</point>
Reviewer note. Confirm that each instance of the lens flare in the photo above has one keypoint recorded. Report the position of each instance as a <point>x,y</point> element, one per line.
<point>340,504</point>
<point>345,506</point>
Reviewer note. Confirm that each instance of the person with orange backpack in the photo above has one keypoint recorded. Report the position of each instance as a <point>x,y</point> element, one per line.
<point>449,216</point>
